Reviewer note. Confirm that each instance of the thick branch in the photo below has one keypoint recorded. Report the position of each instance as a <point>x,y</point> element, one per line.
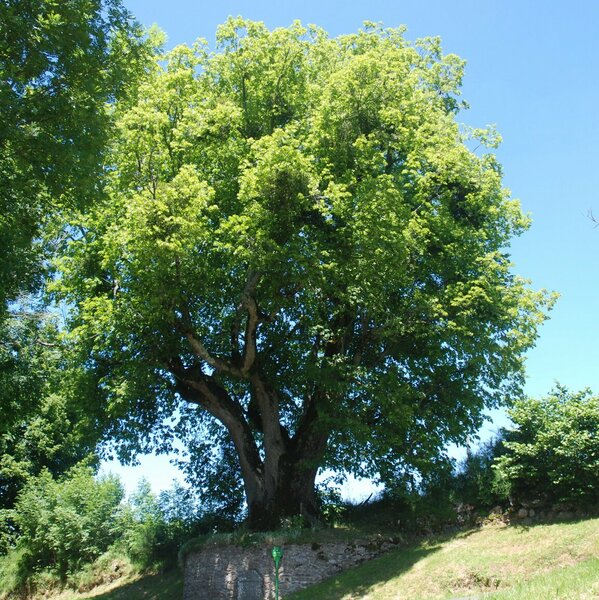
<point>232,367</point>
<point>200,389</point>
<point>248,301</point>
<point>274,444</point>
<point>312,433</point>
<point>215,362</point>
<point>310,440</point>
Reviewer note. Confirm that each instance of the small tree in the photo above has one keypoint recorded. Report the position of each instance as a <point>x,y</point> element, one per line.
<point>477,481</point>
<point>44,424</point>
<point>552,455</point>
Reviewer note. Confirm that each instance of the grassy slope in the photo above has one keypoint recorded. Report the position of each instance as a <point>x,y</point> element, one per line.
<point>542,562</point>
<point>515,563</point>
<point>163,586</point>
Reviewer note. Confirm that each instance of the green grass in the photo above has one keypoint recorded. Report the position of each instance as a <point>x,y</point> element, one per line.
<point>160,586</point>
<point>515,563</point>
<point>243,538</point>
<point>578,582</point>
<point>541,562</point>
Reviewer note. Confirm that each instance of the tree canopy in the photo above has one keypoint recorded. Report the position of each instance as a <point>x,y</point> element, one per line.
<point>61,61</point>
<point>298,246</point>
<point>47,415</point>
<point>62,64</point>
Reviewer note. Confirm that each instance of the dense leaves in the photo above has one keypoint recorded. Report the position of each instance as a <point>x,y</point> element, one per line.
<point>78,524</point>
<point>552,454</point>
<point>60,62</point>
<point>299,240</point>
<point>65,523</point>
<point>154,528</point>
<point>47,417</point>
<point>478,483</point>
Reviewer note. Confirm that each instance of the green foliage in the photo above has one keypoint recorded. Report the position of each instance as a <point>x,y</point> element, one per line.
<point>212,469</point>
<point>155,527</point>
<point>76,531</point>
<point>67,522</point>
<point>60,62</point>
<point>552,454</point>
<point>45,420</point>
<point>304,212</point>
<point>477,482</point>
<point>14,575</point>
<point>24,362</point>
<point>143,525</point>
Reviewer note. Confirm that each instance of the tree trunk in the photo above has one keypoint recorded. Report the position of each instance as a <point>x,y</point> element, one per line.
<point>290,464</point>
<point>281,484</point>
<point>293,495</point>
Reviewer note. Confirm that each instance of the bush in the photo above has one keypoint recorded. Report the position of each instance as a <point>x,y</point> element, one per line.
<point>552,455</point>
<point>76,531</point>
<point>8,531</point>
<point>155,527</point>
<point>67,522</point>
<point>13,572</point>
<point>143,525</point>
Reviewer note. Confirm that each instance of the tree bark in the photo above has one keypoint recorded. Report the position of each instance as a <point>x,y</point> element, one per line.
<point>292,495</point>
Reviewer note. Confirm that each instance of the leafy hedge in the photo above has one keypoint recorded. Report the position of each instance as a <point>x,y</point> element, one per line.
<point>552,454</point>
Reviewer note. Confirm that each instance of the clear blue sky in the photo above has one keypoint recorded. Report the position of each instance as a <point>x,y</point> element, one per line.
<point>533,70</point>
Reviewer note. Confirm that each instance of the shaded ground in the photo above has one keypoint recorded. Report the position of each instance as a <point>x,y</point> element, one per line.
<point>163,586</point>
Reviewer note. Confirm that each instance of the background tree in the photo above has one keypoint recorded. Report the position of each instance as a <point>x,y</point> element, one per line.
<point>67,522</point>
<point>299,242</point>
<point>552,454</point>
<point>211,468</point>
<point>60,63</point>
<point>477,482</point>
<point>48,420</point>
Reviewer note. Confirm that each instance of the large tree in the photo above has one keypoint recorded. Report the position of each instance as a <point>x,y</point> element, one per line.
<point>299,245</point>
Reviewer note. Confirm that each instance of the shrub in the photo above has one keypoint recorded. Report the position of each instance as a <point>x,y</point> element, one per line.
<point>552,455</point>
<point>155,527</point>
<point>143,525</point>
<point>67,522</point>
<point>8,532</point>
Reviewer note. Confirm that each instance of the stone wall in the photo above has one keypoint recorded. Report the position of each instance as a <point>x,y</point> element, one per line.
<point>234,573</point>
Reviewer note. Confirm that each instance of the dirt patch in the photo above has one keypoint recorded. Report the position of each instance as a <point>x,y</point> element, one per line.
<point>474,580</point>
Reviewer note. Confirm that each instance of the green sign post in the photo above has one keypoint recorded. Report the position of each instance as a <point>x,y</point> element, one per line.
<point>277,555</point>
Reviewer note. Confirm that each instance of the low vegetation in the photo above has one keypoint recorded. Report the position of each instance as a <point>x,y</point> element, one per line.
<point>504,562</point>
<point>495,562</point>
<point>75,532</point>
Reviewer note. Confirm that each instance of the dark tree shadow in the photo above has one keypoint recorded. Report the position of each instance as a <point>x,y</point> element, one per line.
<point>360,579</point>
<point>161,586</point>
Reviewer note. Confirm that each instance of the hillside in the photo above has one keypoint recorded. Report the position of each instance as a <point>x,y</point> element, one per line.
<point>496,562</point>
